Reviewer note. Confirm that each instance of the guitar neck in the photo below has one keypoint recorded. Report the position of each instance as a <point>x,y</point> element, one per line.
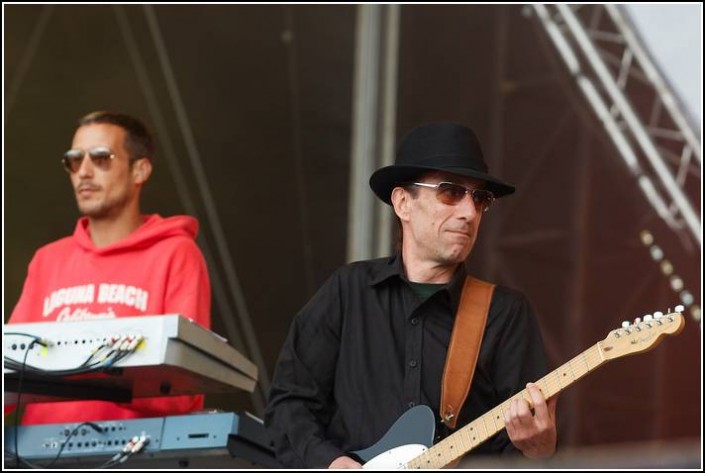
<point>485,426</point>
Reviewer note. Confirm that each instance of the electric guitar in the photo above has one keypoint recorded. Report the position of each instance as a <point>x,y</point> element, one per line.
<point>408,444</point>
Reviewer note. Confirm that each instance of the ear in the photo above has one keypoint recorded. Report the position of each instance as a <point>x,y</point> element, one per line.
<point>401,201</point>
<point>141,170</point>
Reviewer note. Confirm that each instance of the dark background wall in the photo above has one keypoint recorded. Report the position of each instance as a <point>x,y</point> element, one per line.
<point>253,118</point>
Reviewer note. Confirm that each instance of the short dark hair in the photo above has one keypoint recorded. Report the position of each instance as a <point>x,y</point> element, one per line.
<point>138,142</point>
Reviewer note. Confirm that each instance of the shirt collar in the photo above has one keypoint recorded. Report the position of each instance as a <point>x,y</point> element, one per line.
<point>393,266</point>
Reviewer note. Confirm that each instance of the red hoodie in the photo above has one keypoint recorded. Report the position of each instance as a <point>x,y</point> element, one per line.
<point>158,269</point>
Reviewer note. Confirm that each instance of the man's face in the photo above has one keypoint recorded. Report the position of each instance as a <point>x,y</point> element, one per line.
<point>103,193</point>
<point>439,232</point>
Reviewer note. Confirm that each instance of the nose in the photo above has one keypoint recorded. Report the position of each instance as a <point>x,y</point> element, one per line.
<point>466,208</point>
<point>86,167</point>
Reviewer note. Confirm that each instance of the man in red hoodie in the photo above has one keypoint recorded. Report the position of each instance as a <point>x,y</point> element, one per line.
<point>118,262</point>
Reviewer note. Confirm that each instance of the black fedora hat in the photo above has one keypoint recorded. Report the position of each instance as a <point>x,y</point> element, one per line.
<point>443,146</point>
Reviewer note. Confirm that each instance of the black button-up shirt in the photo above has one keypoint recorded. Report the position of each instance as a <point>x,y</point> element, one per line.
<point>366,348</point>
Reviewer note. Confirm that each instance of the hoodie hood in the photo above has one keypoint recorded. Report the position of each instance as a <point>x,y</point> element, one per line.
<point>154,229</point>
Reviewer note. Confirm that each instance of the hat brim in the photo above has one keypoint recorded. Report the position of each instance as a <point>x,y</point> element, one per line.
<point>384,180</point>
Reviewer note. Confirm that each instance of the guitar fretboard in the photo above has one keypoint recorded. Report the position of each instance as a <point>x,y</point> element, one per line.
<point>485,426</point>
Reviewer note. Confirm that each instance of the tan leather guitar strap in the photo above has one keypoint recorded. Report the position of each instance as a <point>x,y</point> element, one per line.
<point>464,347</point>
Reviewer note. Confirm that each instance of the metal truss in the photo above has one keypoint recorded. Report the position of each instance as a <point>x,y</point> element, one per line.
<point>636,106</point>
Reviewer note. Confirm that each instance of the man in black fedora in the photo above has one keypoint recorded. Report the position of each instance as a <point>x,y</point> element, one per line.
<point>374,341</point>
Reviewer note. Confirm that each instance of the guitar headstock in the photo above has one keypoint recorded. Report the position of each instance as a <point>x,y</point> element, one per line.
<point>642,334</point>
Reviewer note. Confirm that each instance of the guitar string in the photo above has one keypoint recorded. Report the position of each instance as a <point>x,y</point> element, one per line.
<point>445,450</point>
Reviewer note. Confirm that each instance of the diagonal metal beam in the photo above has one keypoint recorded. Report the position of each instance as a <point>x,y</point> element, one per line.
<point>617,106</point>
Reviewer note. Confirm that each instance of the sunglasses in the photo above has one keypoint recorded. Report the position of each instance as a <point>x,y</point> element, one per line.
<point>100,157</point>
<point>450,193</point>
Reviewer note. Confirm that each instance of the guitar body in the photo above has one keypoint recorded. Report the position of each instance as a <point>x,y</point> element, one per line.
<point>415,429</point>
<point>396,458</point>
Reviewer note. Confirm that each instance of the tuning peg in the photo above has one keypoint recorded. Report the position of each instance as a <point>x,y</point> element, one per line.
<point>658,315</point>
<point>679,308</point>
<point>648,317</point>
<point>637,321</point>
<point>625,324</point>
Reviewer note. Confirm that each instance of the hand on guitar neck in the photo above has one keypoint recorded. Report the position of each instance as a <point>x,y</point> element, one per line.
<point>534,433</point>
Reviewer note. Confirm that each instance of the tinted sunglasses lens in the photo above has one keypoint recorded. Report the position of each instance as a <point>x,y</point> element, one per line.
<point>450,194</point>
<point>72,160</point>
<point>101,158</point>
<point>482,198</point>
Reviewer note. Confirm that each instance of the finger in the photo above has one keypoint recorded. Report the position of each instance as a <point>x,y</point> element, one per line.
<point>510,416</point>
<point>518,421</point>
<point>523,411</point>
<point>512,422</point>
<point>537,398</point>
<point>520,415</point>
<point>507,414</point>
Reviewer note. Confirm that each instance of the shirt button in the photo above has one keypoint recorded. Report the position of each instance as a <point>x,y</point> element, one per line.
<point>412,404</point>
<point>414,321</point>
<point>412,363</point>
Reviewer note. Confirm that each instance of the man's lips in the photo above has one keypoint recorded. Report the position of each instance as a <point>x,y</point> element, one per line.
<point>87,189</point>
<point>461,232</point>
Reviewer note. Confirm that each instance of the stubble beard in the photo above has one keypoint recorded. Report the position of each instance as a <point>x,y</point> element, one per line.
<point>105,209</point>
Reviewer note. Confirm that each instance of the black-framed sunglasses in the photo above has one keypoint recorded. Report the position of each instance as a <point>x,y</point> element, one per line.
<point>100,157</point>
<point>451,193</point>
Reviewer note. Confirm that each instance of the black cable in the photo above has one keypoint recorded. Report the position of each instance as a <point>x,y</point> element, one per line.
<point>115,460</point>
<point>97,366</point>
<point>94,353</point>
<point>119,457</point>
<point>112,358</point>
<point>22,368</point>
<point>94,426</point>
<point>23,334</point>
<point>123,456</point>
<point>27,463</point>
<point>19,397</point>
